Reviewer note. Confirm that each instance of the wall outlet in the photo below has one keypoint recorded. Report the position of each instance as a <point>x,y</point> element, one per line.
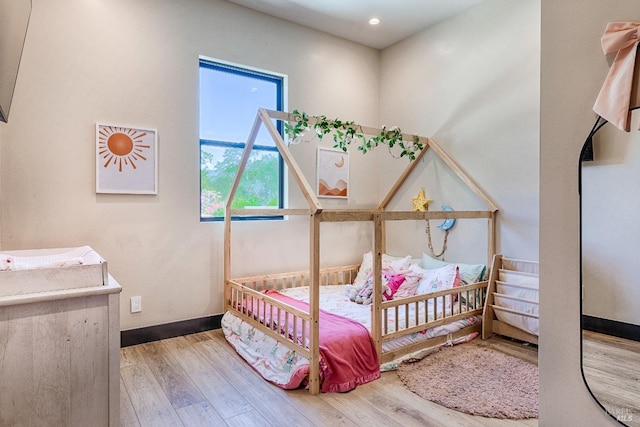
<point>136,304</point>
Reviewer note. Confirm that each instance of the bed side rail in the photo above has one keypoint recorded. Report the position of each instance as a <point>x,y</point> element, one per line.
<point>342,275</point>
<point>429,310</point>
<point>287,324</point>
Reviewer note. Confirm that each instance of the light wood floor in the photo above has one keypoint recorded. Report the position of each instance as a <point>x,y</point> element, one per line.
<point>198,380</point>
<point>611,367</point>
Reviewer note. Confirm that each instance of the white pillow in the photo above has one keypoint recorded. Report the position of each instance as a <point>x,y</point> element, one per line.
<point>469,273</point>
<point>389,263</point>
<point>438,279</point>
<point>365,268</point>
<point>396,265</point>
<point>385,257</point>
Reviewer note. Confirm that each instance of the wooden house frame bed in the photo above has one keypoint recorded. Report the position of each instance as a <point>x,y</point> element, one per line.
<point>243,296</point>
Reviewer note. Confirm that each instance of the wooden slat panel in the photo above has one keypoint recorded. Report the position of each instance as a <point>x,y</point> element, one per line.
<point>509,310</point>
<point>346,274</point>
<point>407,331</point>
<point>268,212</point>
<point>427,344</point>
<point>240,309</point>
<point>271,301</point>
<point>432,295</point>
<point>508,297</point>
<point>417,215</point>
<point>346,215</point>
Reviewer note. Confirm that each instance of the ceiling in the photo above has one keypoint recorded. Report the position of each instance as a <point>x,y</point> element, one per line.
<point>349,18</point>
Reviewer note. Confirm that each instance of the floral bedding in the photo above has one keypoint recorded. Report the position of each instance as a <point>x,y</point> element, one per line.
<point>288,369</point>
<point>333,299</point>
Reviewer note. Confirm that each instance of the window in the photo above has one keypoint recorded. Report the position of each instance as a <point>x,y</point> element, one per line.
<point>230,96</point>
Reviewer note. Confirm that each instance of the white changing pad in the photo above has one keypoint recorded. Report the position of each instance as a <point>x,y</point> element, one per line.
<point>83,255</point>
<point>33,271</point>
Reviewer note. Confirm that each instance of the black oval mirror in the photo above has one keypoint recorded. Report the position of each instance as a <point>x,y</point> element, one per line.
<point>609,186</point>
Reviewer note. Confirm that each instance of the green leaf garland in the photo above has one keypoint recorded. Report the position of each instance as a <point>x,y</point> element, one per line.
<point>346,132</point>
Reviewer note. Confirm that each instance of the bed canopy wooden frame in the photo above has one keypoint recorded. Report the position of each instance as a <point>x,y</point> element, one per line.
<point>317,215</point>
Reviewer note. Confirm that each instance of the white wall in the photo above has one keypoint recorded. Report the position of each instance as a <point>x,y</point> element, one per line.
<point>13,23</point>
<point>472,83</point>
<point>136,63</point>
<point>572,71</point>
<point>1,196</point>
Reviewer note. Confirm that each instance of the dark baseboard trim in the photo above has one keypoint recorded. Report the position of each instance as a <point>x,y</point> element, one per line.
<point>611,327</point>
<point>169,330</point>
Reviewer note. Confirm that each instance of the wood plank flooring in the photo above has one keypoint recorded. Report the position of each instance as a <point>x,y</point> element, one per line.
<point>611,367</point>
<point>199,380</point>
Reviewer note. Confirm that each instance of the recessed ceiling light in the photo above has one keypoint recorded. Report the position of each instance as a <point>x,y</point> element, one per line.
<point>374,21</point>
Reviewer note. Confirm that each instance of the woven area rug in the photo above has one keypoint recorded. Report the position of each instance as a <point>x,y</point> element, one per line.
<point>475,380</point>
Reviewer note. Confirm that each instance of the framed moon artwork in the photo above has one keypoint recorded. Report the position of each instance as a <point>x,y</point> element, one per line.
<point>126,160</point>
<point>333,173</point>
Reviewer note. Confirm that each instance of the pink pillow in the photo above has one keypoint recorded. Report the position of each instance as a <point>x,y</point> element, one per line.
<point>394,284</point>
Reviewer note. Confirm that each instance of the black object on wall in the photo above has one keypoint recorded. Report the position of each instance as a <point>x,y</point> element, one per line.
<point>14,20</point>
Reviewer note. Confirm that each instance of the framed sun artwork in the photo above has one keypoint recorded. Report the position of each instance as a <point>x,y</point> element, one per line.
<point>333,173</point>
<point>126,160</point>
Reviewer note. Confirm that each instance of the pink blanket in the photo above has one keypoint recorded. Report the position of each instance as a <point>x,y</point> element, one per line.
<point>347,352</point>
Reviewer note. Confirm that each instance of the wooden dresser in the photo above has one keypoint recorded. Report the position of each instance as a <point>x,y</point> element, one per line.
<point>60,356</point>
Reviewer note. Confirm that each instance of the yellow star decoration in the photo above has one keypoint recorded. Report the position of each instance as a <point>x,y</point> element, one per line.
<point>420,202</point>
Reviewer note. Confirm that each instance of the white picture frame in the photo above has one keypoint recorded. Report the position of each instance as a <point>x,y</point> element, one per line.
<point>126,160</point>
<point>332,173</point>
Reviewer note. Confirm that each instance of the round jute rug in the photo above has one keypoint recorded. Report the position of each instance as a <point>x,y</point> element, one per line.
<point>475,380</point>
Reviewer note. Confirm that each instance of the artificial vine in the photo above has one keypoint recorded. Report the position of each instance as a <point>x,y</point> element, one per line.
<point>345,132</point>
